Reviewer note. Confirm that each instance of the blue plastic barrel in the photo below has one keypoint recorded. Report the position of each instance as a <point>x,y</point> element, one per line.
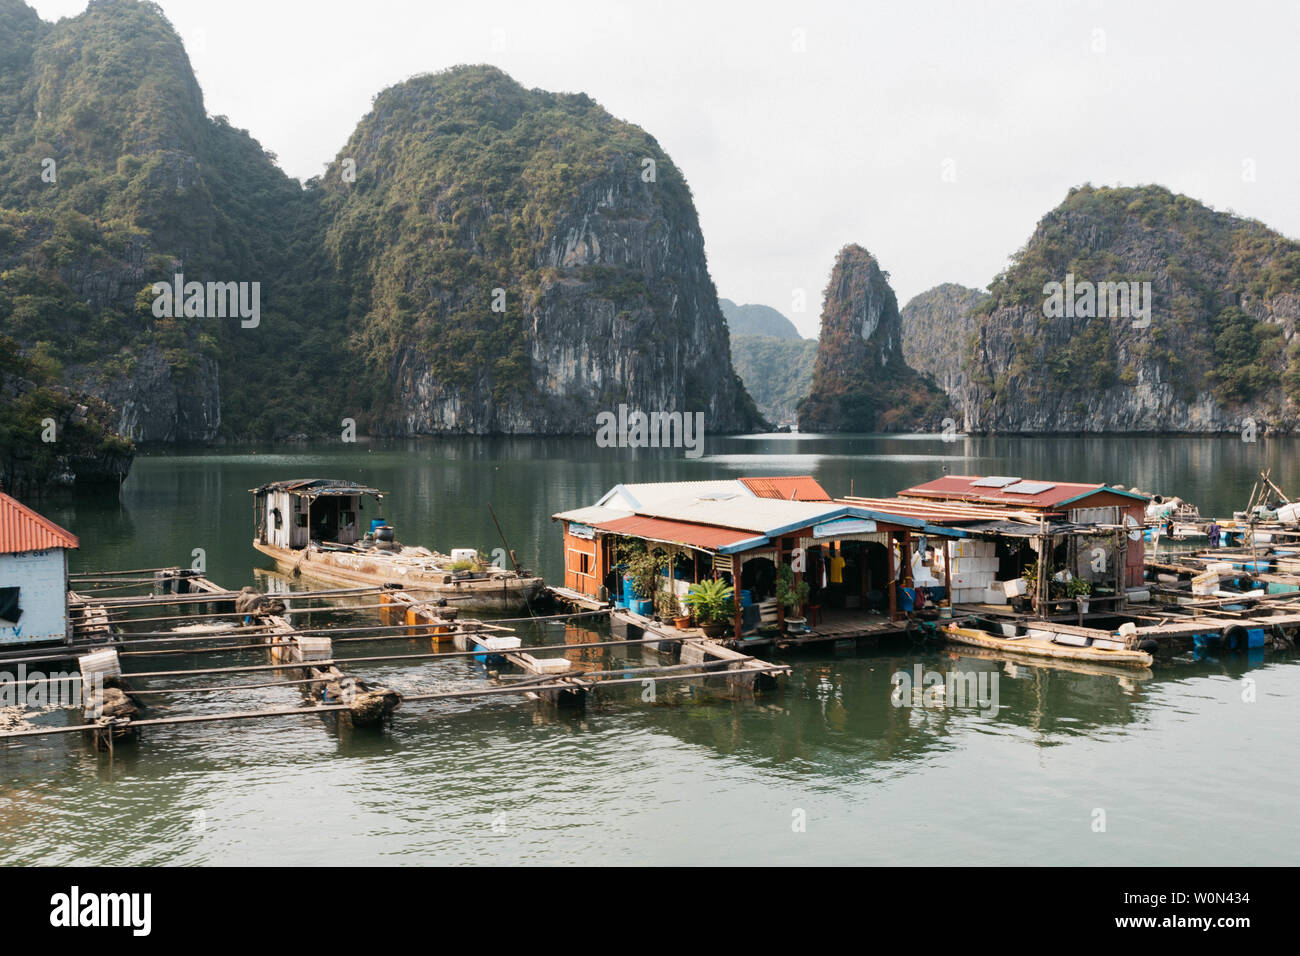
<point>906,599</point>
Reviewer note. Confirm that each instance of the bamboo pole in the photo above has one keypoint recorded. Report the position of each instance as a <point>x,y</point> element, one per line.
<point>559,684</point>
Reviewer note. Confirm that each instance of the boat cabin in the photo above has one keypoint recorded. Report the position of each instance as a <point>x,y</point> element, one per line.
<point>293,514</point>
<point>33,576</point>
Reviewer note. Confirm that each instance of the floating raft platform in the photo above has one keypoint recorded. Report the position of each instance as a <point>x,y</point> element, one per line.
<point>306,658</point>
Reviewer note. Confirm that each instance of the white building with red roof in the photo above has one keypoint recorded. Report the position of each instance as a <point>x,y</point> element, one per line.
<point>33,576</point>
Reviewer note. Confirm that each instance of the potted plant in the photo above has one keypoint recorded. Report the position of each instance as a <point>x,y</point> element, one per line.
<point>713,603</point>
<point>1079,589</point>
<point>643,569</point>
<point>790,594</point>
<point>667,607</point>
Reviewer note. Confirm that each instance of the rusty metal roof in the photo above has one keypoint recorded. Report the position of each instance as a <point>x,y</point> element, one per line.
<point>22,529</point>
<point>942,512</point>
<point>1030,494</point>
<point>677,532</point>
<point>787,487</point>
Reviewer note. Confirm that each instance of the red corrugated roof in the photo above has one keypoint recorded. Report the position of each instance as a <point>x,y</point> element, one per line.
<point>787,488</point>
<point>962,488</point>
<point>676,532</point>
<point>22,529</point>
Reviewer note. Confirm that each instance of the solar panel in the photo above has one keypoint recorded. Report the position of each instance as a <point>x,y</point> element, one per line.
<point>1029,488</point>
<point>994,482</point>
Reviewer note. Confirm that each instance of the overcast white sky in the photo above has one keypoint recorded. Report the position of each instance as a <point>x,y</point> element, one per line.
<point>793,153</point>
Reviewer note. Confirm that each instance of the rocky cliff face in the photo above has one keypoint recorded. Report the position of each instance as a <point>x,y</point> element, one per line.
<point>112,177</point>
<point>52,438</point>
<point>480,258</point>
<point>937,329</point>
<point>545,282</point>
<point>860,381</point>
<point>1214,352</point>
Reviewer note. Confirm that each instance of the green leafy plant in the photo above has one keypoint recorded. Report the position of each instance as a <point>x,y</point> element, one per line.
<point>1078,587</point>
<point>644,568</point>
<point>712,600</point>
<point>790,593</point>
<point>666,604</point>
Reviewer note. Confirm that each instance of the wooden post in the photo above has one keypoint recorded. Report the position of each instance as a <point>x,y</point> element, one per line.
<point>892,587</point>
<point>947,570</point>
<point>737,563</point>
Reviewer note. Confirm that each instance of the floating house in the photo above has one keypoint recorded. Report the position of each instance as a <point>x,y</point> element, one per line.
<point>742,530</point>
<point>33,576</point>
<point>319,528</point>
<point>1091,532</point>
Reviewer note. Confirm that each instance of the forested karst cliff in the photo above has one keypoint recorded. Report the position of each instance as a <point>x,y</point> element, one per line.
<point>860,381</point>
<point>937,327</point>
<point>1218,347</point>
<point>521,260</point>
<point>377,292</point>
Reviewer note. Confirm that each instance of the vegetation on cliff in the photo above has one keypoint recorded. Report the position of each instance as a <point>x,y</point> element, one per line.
<point>777,372</point>
<point>48,435</point>
<point>1225,302</point>
<point>465,209</point>
<point>113,177</point>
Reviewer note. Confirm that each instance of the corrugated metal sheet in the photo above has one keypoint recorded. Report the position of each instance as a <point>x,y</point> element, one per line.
<point>593,514</point>
<point>937,512</point>
<point>22,529</point>
<point>676,532</point>
<point>963,488</point>
<point>788,488</point>
<point>639,496</point>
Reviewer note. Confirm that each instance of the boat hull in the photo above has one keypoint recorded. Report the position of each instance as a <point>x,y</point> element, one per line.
<point>1037,647</point>
<point>505,592</point>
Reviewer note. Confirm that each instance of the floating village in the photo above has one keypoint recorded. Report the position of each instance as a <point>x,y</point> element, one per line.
<point>703,584</point>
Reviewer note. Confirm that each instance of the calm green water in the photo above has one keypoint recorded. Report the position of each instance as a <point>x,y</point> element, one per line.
<point>1185,770</point>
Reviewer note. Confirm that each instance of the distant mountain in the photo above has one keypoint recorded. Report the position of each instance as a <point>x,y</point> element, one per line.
<point>860,381</point>
<point>1207,351</point>
<point>776,372</point>
<point>757,320</point>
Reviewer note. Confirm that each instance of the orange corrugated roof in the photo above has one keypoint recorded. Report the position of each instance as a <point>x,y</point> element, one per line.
<point>676,532</point>
<point>22,529</point>
<point>787,488</point>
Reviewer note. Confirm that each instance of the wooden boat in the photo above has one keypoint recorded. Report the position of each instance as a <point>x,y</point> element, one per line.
<point>1042,647</point>
<point>311,528</point>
